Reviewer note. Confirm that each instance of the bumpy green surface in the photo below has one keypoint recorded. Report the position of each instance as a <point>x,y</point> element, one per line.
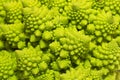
<point>49,75</point>
<point>83,72</point>
<point>14,35</point>
<point>2,13</point>
<point>37,20</point>
<point>7,66</point>
<point>103,26</point>
<point>59,39</point>
<point>31,62</point>
<point>106,56</point>
<point>69,44</point>
<point>31,3</point>
<point>107,5</point>
<point>13,11</point>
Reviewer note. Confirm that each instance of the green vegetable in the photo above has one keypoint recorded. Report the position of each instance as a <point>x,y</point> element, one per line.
<point>8,66</point>
<point>59,39</point>
<point>13,11</point>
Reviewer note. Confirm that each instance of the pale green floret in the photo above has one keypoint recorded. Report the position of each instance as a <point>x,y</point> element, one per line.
<point>14,34</point>
<point>2,13</point>
<point>8,66</point>
<point>47,35</point>
<point>70,43</point>
<point>39,21</point>
<point>64,64</point>
<point>64,54</point>
<point>49,75</point>
<point>107,55</point>
<point>81,4</point>
<point>13,11</point>
<point>59,32</point>
<point>31,3</point>
<point>1,44</point>
<point>55,46</point>
<point>83,72</point>
<point>91,28</point>
<point>33,38</point>
<point>113,6</point>
<point>43,66</point>
<point>104,27</point>
<point>30,61</point>
<point>83,22</point>
<point>59,39</point>
<point>43,44</point>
